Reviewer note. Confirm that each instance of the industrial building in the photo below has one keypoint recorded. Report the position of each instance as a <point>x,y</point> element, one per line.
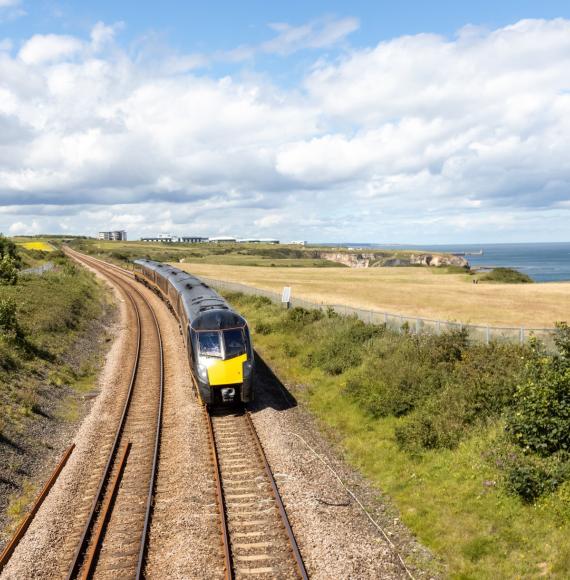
<point>169,239</point>
<point>116,236</point>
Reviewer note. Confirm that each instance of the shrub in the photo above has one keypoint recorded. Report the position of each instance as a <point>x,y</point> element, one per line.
<point>530,476</point>
<point>403,370</point>
<point>8,270</point>
<point>506,276</point>
<point>9,325</point>
<point>540,417</point>
<point>478,388</point>
<point>341,345</point>
<point>300,317</point>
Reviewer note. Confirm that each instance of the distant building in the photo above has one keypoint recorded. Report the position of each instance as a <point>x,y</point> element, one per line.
<point>222,240</point>
<point>299,243</point>
<point>168,239</point>
<point>116,236</point>
<point>257,241</point>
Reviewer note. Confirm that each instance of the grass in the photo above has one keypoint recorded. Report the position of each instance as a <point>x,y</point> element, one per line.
<point>424,292</point>
<point>453,499</point>
<point>53,310</point>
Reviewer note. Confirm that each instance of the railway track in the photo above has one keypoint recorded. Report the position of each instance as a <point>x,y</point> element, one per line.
<point>114,536</point>
<point>257,537</point>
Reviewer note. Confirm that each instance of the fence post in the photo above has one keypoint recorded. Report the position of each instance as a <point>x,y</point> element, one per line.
<point>417,325</point>
<point>438,327</point>
<point>522,335</point>
<point>487,334</point>
<point>386,318</point>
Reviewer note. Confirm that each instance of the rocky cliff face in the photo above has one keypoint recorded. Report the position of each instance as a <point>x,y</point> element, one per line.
<point>371,260</point>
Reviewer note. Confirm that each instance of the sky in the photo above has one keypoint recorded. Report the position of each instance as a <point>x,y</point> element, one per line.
<point>408,122</point>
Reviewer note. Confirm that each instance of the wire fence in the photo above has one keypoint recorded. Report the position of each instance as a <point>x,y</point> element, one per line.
<point>477,333</point>
<point>39,270</point>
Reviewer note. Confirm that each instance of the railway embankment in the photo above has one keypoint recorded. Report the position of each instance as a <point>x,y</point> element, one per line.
<point>54,331</point>
<point>468,442</point>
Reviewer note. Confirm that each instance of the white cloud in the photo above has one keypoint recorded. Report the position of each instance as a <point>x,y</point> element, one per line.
<point>9,3</point>
<point>44,48</point>
<point>384,143</point>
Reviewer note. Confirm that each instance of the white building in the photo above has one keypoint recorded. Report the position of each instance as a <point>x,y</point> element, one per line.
<point>169,239</point>
<point>116,236</point>
<point>222,240</point>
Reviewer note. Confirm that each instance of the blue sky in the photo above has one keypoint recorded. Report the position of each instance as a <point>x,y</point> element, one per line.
<point>328,121</point>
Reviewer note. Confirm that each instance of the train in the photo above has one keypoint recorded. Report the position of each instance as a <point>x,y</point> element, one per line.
<point>217,339</point>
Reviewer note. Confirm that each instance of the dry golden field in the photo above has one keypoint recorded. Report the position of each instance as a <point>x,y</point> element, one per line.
<point>424,292</point>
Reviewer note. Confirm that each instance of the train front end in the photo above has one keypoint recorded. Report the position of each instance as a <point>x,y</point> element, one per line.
<point>224,363</point>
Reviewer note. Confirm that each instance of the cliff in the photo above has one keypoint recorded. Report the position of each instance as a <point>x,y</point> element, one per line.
<point>375,260</point>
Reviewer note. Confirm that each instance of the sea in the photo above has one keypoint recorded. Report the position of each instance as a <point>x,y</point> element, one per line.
<point>543,262</point>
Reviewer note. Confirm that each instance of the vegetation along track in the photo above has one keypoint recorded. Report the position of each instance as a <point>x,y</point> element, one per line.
<point>113,540</point>
<point>257,538</point>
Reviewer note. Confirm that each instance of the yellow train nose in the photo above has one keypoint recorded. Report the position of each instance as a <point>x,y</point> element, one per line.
<point>227,372</point>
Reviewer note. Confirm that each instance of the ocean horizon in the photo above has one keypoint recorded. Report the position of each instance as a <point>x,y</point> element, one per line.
<point>542,261</point>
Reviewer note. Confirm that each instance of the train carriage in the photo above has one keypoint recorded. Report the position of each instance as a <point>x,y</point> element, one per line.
<point>217,338</point>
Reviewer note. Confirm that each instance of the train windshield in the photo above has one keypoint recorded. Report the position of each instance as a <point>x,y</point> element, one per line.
<point>210,344</point>
<point>234,342</point>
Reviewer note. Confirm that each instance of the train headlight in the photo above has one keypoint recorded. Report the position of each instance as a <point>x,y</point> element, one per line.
<point>202,372</point>
<point>247,368</point>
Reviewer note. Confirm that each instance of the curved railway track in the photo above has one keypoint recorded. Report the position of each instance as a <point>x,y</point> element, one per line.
<point>257,538</point>
<point>113,540</point>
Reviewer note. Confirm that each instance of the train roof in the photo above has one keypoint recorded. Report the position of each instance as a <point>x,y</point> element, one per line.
<point>205,308</point>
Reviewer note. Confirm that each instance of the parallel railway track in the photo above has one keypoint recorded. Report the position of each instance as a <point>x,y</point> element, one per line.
<point>113,541</point>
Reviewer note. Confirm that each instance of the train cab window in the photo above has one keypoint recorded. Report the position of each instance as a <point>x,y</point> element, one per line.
<point>210,344</point>
<point>234,342</point>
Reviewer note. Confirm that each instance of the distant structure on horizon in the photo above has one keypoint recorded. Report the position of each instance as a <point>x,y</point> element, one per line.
<point>116,236</point>
<point>170,239</point>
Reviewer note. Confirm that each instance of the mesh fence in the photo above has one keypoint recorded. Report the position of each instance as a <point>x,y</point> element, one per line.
<point>477,333</point>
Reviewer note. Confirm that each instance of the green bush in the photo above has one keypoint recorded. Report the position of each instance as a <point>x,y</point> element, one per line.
<point>401,371</point>
<point>9,325</point>
<point>530,476</point>
<point>340,345</point>
<point>8,270</point>
<point>300,317</point>
<point>540,417</point>
<point>479,387</point>
<point>506,276</point>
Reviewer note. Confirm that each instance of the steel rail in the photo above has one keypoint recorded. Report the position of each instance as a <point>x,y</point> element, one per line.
<point>77,559</point>
<point>292,540</point>
<point>25,524</point>
<point>220,498</point>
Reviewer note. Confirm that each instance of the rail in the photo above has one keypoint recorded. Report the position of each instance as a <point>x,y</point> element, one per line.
<point>477,332</point>
<point>241,472</point>
<point>85,556</point>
